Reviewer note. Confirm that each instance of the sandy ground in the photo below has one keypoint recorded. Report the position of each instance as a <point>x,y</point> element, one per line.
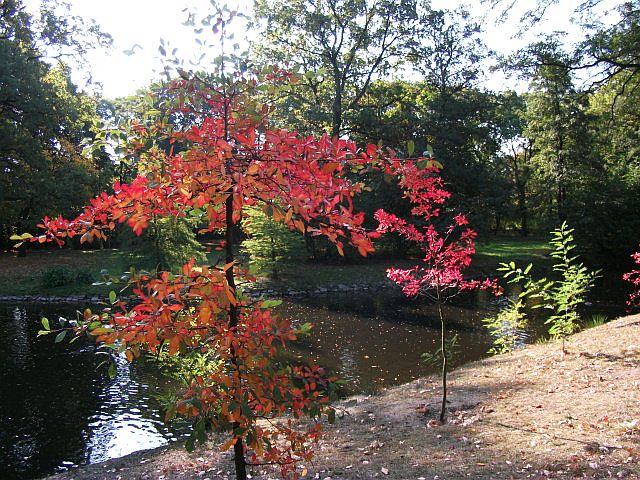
<point>530,414</point>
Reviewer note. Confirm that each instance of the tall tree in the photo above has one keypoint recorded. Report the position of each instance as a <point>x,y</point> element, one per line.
<point>341,45</point>
<point>517,153</point>
<point>448,52</point>
<point>43,119</point>
<point>556,119</point>
<point>231,161</point>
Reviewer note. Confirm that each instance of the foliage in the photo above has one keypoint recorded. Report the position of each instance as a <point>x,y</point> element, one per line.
<point>567,294</point>
<point>167,244</point>
<point>556,124</point>
<point>447,250</point>
<point>224,162</point>
<point>342,46</point>
<point>43,119</point>
<point>579,131</point>
<point>506,327</point>
<point>563,296</point>
<point>62,275</point>
<point>634,277</point>
<point>451,348</point>
<point>270,243</point>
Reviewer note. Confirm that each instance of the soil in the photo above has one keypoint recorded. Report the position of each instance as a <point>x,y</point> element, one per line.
<point>534,413</point>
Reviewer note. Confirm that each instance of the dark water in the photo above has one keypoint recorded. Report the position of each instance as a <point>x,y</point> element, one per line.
<point>377,341</point>
<point>57,410</point>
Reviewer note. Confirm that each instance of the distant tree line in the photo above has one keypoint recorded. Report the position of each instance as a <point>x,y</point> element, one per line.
<point>397,72</point>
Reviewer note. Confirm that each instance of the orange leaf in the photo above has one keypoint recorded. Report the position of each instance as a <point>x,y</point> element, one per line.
<point>205,314</point>
<point>330,167</point>
<point>230,295</point>
<point>299,225</point>
<point>228,445</point>
<point>174,345</point>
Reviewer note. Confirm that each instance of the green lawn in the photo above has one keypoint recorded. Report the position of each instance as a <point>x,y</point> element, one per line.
<point>24,275</point>
<point>520,250</point>
<point>34,273</point>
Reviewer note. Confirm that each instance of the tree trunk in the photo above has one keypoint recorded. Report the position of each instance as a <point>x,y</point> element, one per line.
<point>234,312</point>
<point>443,350</point>
<point>336,112</point>
<point>522,209</point>
<point>234,316</point>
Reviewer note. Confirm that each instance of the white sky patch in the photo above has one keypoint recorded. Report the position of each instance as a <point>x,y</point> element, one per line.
<point>140,24</point>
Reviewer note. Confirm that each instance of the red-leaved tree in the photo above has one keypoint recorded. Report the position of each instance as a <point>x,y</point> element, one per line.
<point>229,159</point>
<point>634,277</point>
<point>447,247</point>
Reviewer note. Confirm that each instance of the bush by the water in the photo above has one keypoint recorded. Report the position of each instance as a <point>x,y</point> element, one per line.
<point>64,275</point>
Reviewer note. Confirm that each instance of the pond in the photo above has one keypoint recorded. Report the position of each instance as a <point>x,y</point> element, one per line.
<point>59,410</point>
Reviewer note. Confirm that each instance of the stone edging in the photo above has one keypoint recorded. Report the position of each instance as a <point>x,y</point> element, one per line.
<point>253,292</point>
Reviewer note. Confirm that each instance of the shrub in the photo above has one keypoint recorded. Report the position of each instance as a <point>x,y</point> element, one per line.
<point>563,296</point>
<point>64,275</point>
<point>507,327</point>
<point>58,276</point>
<point>167,244</point>
<point>270,243</point>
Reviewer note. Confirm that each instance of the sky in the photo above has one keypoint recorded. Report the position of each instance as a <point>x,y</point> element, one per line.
<point>141,24</point>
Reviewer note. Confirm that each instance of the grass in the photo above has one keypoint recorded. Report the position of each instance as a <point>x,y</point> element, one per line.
<point>23,275</point>
<point>511,249</point>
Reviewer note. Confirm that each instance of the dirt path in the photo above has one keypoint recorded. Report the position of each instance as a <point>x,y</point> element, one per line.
<point>530,414</point>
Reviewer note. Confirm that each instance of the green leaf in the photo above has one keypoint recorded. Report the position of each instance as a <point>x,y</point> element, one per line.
<point>201,434</point>
<point>112,297</point>
<point>246,410</point>
<point>60,336</point>
<point>190,444</point>
<point>277,394</point>
<point>271,303</point>
<point>422,164</point>
<point>24,236</point>
<point>411,147</point>
<point>43,332</point>
<point>304,329</point>
<point>45,323</point>
<point>429,151</point>
<point>112,370</point>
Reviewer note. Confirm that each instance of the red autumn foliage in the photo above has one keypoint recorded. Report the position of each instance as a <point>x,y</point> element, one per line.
<point>634,277</point>
<point>228,160</point>
<point>447,250</point>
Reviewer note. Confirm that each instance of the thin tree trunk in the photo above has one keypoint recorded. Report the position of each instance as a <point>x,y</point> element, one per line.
<point>443,349</point>
<point>234,316</point>
<point>234,312</point>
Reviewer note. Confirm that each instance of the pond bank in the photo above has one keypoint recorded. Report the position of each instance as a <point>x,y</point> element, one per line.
<point>530,414</point>
<point>252,292</point>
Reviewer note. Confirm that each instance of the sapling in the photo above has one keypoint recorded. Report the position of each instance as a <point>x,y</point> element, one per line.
<point>447,251</point>
<point>563,296</point>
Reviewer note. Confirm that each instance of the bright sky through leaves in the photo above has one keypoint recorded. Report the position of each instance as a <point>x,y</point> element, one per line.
<point>137,27</point>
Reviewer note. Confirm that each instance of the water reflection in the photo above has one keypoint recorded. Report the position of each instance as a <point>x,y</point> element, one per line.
<point>125,422</point>
<point>57,410</point>
<point>377,341</point>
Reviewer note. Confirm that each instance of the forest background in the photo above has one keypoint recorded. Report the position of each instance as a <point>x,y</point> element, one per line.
<point>397,72</point>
